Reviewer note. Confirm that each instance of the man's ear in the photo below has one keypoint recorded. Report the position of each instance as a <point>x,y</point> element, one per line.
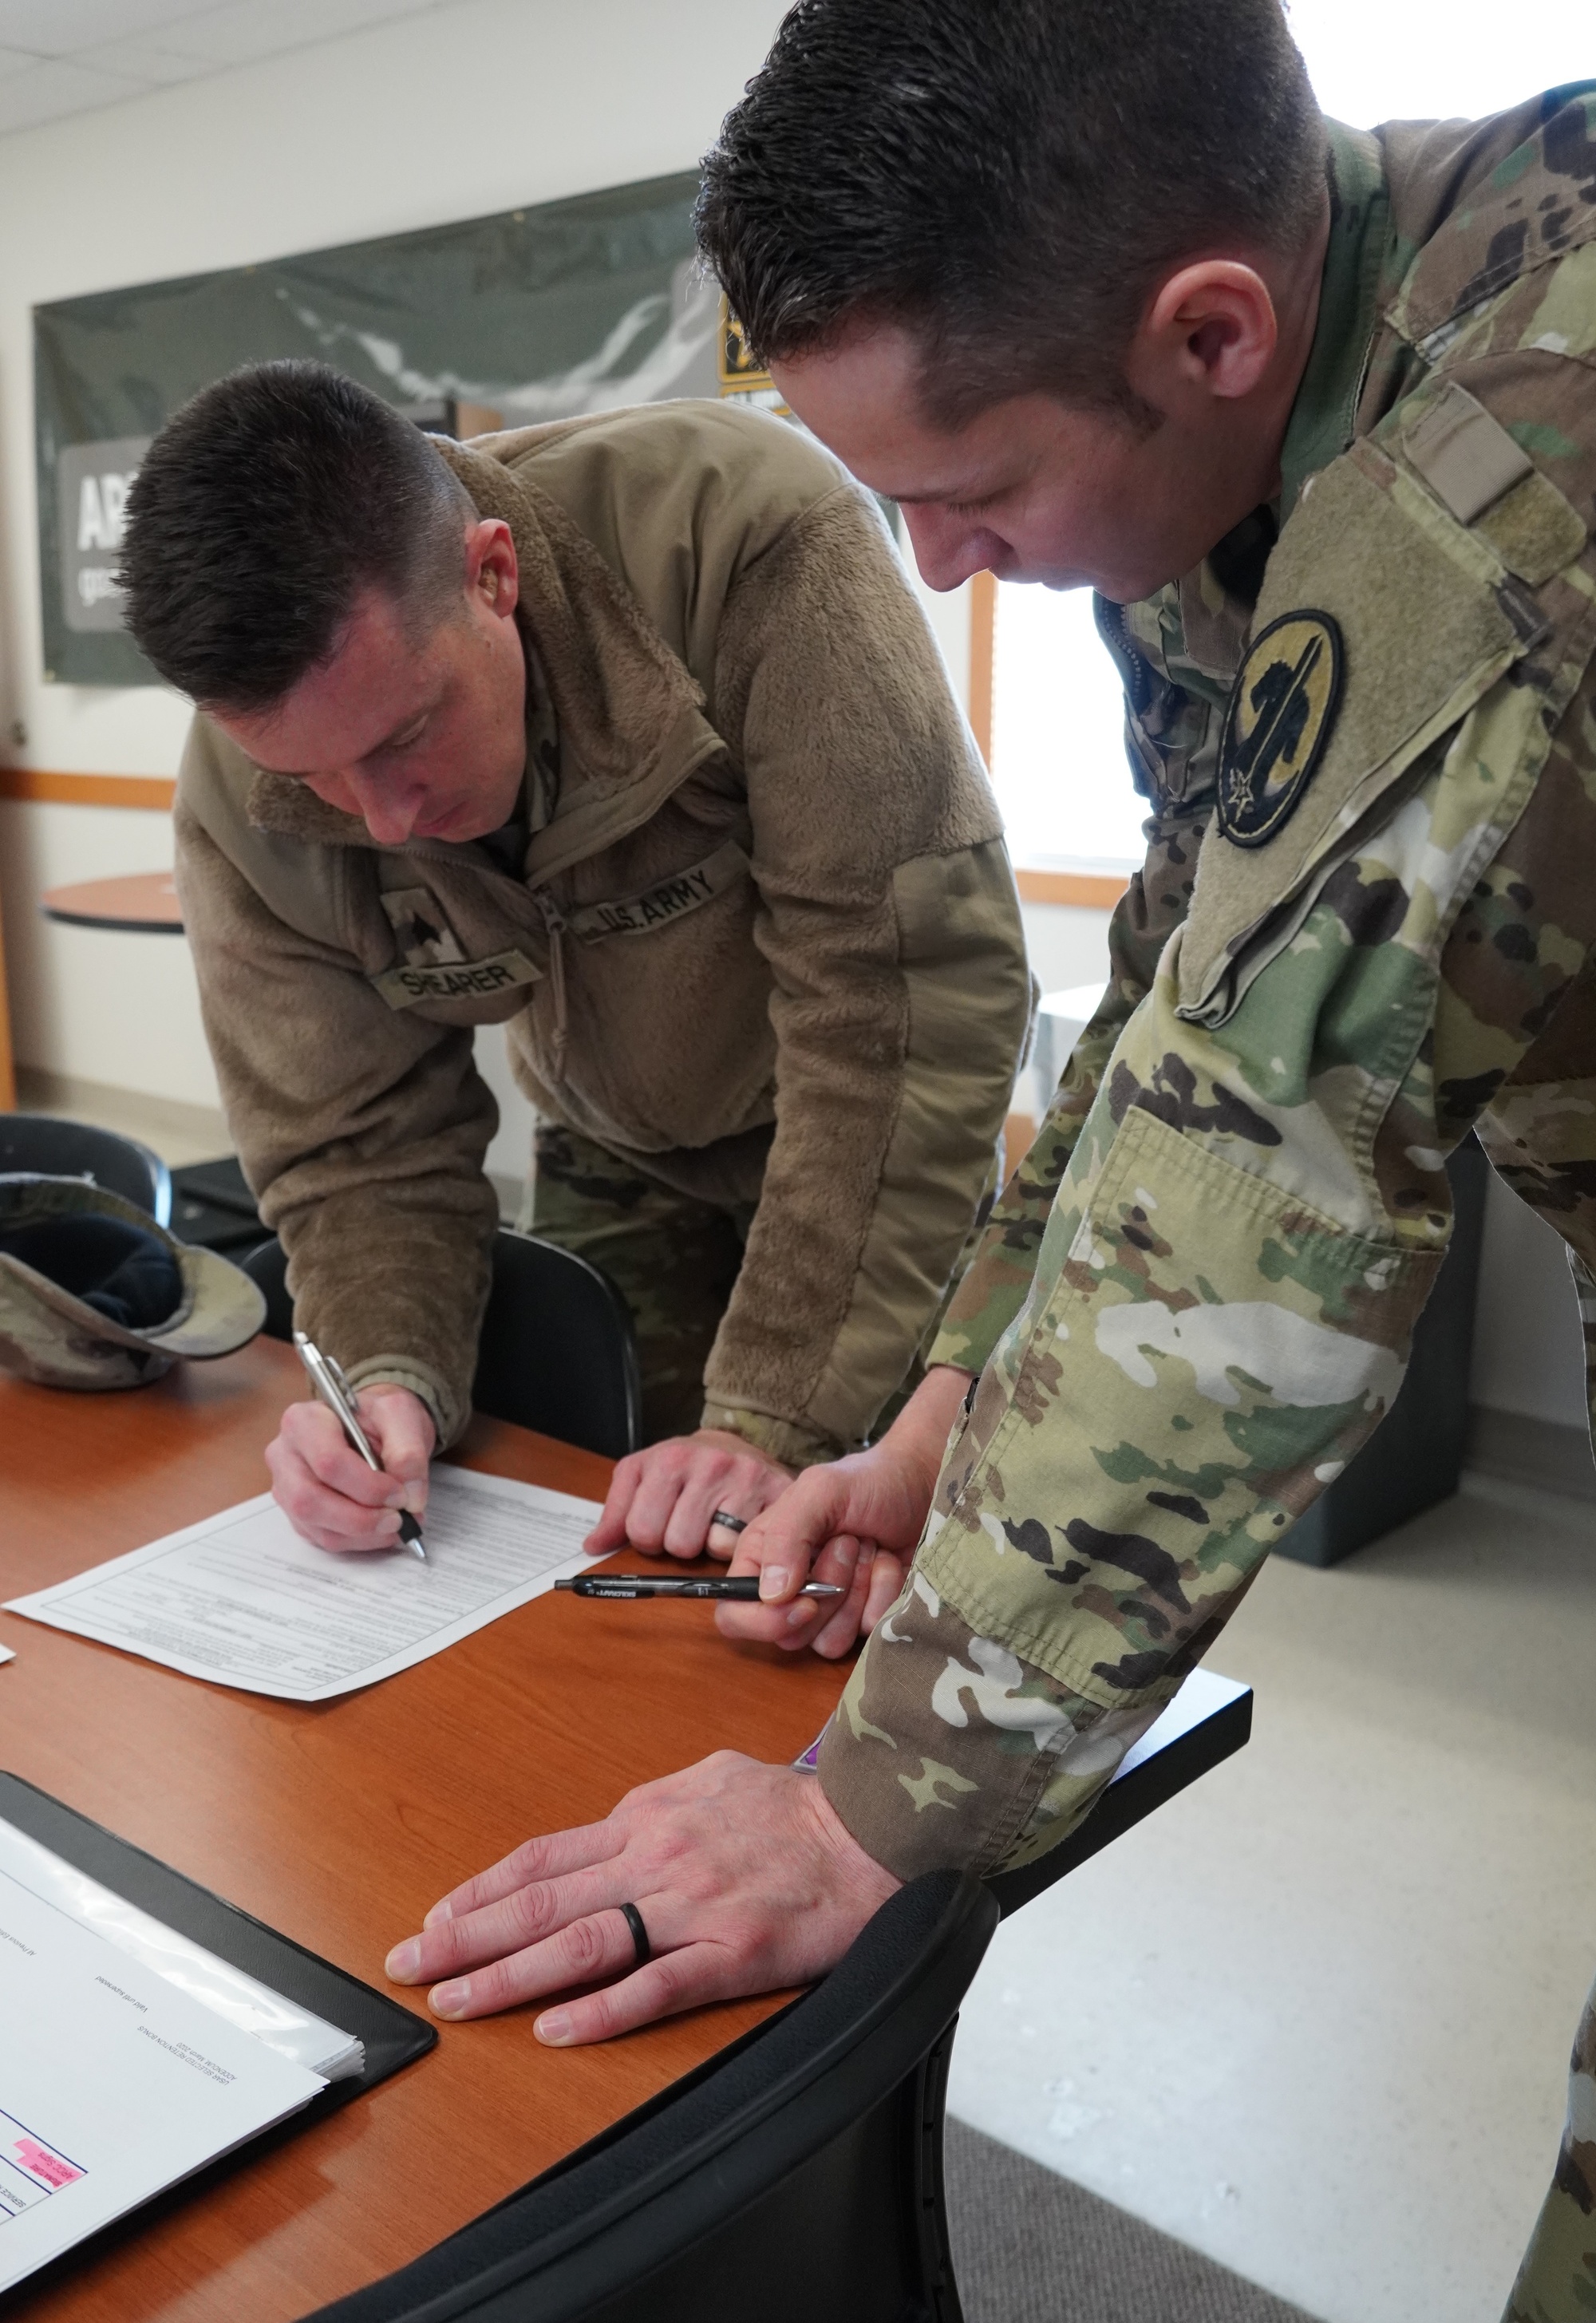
<point>1211,330</point>
<point>491,570</point>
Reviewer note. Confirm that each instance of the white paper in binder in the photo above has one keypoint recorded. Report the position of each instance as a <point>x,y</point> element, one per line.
<point>275,2021</point>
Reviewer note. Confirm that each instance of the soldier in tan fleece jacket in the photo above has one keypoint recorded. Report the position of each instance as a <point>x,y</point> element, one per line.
<point>626,733</point>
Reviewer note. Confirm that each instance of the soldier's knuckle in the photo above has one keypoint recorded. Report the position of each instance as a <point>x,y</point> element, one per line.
<point>531,1912</point>
<point>587,1945</point>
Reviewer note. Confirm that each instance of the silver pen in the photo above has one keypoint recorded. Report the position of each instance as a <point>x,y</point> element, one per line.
<point>329,1382</point>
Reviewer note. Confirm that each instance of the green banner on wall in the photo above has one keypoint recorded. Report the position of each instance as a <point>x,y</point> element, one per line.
<point>537,314</point>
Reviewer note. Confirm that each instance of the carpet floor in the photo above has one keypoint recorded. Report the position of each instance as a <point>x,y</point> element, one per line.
<point>1033,2247</point>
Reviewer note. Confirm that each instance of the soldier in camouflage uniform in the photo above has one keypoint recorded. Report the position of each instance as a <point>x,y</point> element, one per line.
<point>1365,723</point>
<point>1194,1300</point>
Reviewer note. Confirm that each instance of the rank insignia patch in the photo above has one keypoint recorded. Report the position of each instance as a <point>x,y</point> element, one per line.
<point>1282,714</point>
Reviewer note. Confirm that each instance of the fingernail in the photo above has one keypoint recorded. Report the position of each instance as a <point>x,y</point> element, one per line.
<point>800,1614</point>
<point>438,1912</point>
<point>403,1963</point>
<point>846,1553</point>
<point>396,1499</point>
<point>450,1999</point>
<point>387,1523</point>
<point>773,1580</point>
<point>552,2028</point>
<point>866,1556</point>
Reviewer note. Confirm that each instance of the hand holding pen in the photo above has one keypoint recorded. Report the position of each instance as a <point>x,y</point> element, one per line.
<point>351,1476</point>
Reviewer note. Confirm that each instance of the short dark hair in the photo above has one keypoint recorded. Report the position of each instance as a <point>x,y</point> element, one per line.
<point>1008,179</point>
<point>262,511</point>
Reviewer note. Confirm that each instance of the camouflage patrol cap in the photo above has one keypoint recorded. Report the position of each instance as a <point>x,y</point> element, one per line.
<point>94,1294</point>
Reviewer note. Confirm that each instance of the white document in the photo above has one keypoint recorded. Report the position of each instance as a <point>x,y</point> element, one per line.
<point>112,2083</point>
<point>225,1990</point>
<point>7,1655</point>
<point>242,1601</point>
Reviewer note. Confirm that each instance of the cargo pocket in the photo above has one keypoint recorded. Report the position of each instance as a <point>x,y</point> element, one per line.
<point>1211,1351</point>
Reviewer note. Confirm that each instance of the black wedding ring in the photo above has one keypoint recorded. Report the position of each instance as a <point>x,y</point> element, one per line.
<point>634,1920</point>
<point>723,1517</point>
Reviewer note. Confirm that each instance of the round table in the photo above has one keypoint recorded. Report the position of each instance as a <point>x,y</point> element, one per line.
<point>141,903</point>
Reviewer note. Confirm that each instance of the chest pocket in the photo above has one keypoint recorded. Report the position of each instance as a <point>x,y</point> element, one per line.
<point>1429,617</point>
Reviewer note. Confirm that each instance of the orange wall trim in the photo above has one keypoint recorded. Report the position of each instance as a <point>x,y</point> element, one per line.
<point>87,790</point>
<point>1098,891</point>
<point>1095,891</point>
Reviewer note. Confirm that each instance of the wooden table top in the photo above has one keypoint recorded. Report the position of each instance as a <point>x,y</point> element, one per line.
<point>139,903</point>
<point>340,1823</point>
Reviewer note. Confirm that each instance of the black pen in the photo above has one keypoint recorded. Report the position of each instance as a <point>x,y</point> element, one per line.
<point>743,1590</point>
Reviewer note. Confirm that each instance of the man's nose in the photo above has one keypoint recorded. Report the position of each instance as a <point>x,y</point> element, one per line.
<point>947,549</point>
<point>389,809</point>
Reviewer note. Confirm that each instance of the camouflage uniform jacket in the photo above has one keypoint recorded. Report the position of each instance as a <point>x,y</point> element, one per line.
<point>756,937</point>
<point>1194,1300</point>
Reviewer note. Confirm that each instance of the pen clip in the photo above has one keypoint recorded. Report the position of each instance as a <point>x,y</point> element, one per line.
<point>328,1380</point>
<point>335,1372</point>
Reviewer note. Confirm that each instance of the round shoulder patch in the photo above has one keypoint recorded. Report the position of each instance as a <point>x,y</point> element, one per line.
<point>1282,714</point>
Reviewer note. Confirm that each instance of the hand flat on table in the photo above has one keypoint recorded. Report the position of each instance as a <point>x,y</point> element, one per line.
<point>745,1878</point>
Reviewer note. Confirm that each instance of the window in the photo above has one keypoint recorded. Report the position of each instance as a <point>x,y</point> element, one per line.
<point>1058,757</point>
<point>1058,734</point>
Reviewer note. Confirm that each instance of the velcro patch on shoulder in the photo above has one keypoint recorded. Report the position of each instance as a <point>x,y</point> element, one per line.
<point>1467,458</point>
<point>1475,468</point>
<point>1418,602</point>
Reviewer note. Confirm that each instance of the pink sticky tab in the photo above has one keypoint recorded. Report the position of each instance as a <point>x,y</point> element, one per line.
<point>51,2167</point>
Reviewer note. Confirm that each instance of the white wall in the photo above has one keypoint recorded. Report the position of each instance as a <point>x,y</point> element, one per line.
<point>1529,1353</point>
<point>478,108</point>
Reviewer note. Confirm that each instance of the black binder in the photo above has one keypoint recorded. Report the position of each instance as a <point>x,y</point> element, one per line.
<point>392,2035</point>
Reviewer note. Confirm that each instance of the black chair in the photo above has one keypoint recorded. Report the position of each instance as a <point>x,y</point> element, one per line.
<point>38,1143</point>
<point>213,1207</point>
<point>557,1351</point>
<point>799,2174</point>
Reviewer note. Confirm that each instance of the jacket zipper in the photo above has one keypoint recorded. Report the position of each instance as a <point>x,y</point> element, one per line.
<point>553,921</point>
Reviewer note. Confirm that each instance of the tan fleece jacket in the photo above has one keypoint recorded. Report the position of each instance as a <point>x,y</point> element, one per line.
<point>765,944</point>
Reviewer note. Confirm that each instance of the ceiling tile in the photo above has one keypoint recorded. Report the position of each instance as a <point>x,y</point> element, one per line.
<point>45,91</point>
<point>144,60</point>
<point>58,28</point>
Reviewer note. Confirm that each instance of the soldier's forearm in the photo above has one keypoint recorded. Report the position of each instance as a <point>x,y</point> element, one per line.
<point>919,1436</point>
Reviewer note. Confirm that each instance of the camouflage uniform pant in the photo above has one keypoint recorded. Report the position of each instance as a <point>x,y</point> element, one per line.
<point>1557,2281</point>
<point>672,1260</point>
